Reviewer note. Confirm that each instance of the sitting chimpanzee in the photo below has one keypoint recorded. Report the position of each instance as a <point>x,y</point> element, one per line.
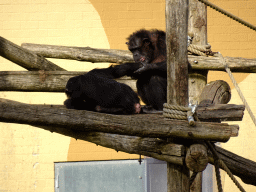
<point>95,92</point>
<point>150,70</point>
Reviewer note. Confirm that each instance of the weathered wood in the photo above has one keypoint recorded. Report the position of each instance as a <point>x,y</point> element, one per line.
<point>236,64</point>
<point>196,158</point>
<point>245,169</point>
<point>197,27</point>
<point>144,125</point>
<point>177,81</point>
<point>216,92</point>
<point>151,147</point>
<point>81,53</point>
<point>44,81</point>
<point>25,58</point>
<point>223,112</point>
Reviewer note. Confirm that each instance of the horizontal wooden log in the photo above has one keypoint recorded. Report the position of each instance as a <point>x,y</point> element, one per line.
<point>245,169</point>
<point>223,112</point>
<point>43,81</point>
<point>55,81</point>
<point>143,125</point>
<point>151,147</point>
<point>81,53</point>
<point>25,58</point>
<point>236,64</point>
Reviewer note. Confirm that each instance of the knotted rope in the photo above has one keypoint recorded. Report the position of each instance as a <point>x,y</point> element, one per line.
<point>178,112</point>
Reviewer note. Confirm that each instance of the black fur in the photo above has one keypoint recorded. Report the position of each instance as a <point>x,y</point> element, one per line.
<point>96,92</point>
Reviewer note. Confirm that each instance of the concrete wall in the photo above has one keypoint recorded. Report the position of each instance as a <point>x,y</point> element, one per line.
<point>27,154</point>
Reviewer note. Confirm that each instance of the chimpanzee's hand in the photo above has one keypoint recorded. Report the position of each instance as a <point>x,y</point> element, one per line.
<point>144,68</point>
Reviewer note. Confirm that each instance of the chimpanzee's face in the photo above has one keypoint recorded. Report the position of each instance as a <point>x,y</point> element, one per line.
<point>142,50</point>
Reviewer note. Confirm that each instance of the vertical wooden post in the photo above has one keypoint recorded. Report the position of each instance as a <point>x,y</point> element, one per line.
<point>177,72</point>
<point>197,25</point>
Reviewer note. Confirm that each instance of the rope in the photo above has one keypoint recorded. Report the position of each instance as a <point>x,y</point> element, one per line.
<point>192,178</point>
<point>238,89</point>
<point>228,14</point>
<point>223,165</point>
<point>178,112</point>
<point>202,50</point>
<point>217,172</point>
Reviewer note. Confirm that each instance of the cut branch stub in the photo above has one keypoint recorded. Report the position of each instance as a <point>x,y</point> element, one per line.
<point>197,158</point>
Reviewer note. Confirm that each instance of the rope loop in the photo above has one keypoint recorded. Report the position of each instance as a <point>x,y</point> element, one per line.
<point>178,112</point>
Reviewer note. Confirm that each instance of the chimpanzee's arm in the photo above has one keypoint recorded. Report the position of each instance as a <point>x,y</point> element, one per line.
<point>156,67</point>
<point>117,71</point>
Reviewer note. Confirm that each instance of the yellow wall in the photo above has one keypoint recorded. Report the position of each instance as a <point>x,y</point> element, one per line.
<point>27,153</point>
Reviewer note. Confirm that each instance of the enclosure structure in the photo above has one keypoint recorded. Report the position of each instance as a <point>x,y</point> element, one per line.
<point>43,77</point>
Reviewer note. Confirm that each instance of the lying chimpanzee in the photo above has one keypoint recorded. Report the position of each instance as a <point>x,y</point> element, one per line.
<point>95,92</point>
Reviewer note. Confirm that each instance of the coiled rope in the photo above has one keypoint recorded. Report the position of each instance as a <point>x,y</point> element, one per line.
<point>245,23</point>
<point>178,112</point>
<point>202,50</point>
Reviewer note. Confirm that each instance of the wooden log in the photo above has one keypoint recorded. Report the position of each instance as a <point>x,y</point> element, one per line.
<point>245,169</point>
<point>216,92</point>
<point>81,53</point>
<point>240,166</point>
<point>25,58</point>
<point>236,64</point>
<point>197,158</point>
<point>151,147</point>
<point>223,112</point>
<point>144,125</point>
<point>44,81</point>
<point>55,81</point>
<point>177,78</point>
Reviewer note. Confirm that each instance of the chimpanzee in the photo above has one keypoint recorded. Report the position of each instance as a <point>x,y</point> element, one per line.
<point>150,70</point>
<point>94,91</point>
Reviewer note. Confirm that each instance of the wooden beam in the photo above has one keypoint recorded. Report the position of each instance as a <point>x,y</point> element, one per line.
<point>223,112</point>
<point>151,147</point>
<point>164,150</point>
<point>43,81</point>
<point>81,53</point>
<point>245,169</point>
<point>236,64</point>
<point>177,78</point>
<point>144,125</point>
<point>25,58</point>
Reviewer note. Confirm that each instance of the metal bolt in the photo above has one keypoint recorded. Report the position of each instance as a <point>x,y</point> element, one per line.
<point>195,62</point>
